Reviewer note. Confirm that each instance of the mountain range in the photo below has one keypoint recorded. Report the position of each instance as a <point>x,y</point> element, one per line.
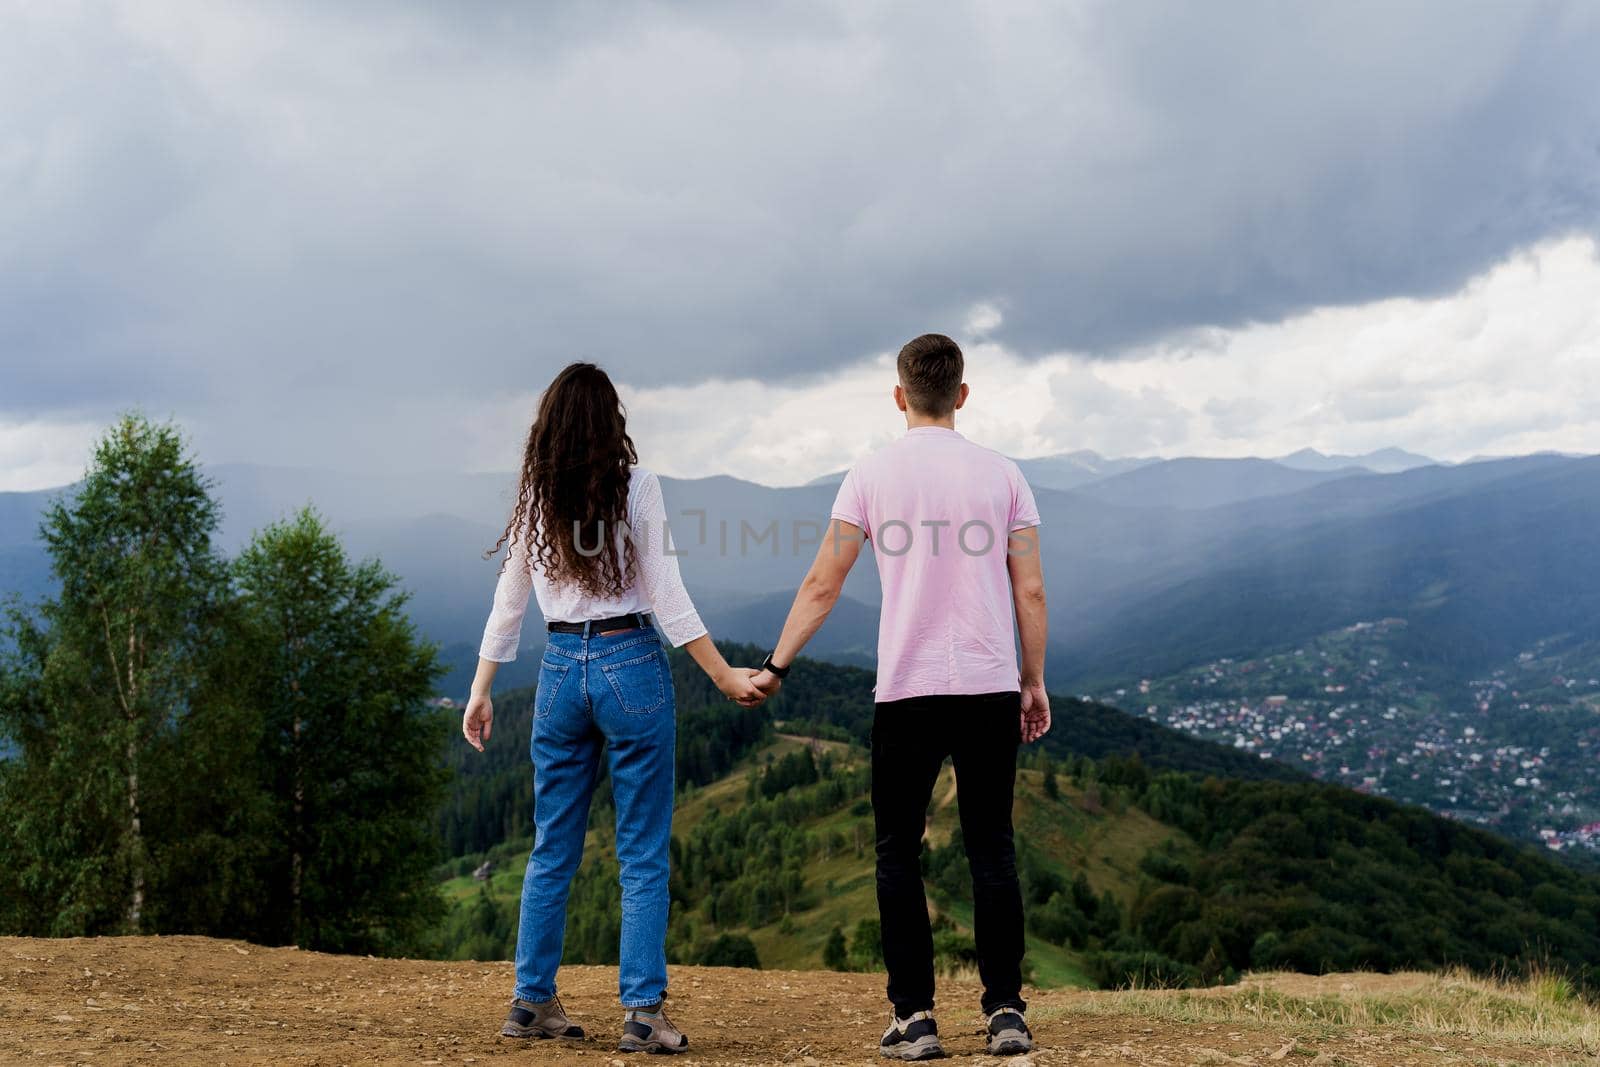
<point>1383,461</point>
<point>1151,564</point>
<point>1070,470</point>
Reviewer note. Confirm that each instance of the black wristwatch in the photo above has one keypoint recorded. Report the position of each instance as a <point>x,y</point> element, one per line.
<point>776,671</point>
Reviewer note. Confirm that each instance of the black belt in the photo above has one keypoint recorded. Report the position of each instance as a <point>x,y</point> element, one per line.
<point>633,621</point>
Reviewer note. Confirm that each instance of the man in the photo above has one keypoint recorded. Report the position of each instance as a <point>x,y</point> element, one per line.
<point>955,533</point>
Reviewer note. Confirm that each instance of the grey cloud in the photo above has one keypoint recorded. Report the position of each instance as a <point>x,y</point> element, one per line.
<point>202,202</point>
<point>1376,406</point>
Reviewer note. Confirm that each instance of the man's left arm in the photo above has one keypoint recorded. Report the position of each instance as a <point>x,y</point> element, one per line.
<point>1033,627</point>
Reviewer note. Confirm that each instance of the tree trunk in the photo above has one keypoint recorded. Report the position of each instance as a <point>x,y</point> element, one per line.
<point>135,840</point>
<point>297,834</point>
<point>135,828</point>
<point>297,829</point>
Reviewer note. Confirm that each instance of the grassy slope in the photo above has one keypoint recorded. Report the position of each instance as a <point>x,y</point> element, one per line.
<point>1106,845</point>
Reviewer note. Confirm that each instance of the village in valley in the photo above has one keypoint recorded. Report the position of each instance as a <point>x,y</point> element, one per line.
<point>1513,749</point>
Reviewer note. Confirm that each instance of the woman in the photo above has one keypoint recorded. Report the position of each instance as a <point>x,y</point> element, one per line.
<point>588,537</point>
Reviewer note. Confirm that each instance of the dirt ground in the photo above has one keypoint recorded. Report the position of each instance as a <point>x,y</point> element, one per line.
<point>196,1000</point>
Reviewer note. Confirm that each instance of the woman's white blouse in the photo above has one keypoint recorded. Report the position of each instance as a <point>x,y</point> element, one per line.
<point>657,587</point>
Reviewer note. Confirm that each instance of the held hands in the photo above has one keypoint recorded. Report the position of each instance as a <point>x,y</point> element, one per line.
<point>767,682</point>
<point>736,683</point>
<point>750,686</point>
<point>478,721</point>
<point>1035,711</point>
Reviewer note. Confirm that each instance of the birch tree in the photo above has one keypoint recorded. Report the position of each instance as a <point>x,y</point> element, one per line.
<point>102,673</point>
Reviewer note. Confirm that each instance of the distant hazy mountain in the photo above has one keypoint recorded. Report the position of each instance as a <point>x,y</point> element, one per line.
<point>1549,453</point>
<point>1173,562</point>
<point>1383,461</point>
<point>24,572</point>
<point>1351,497</point>
<point>20,514</point>
<point>1478,572</point>
<point>1068,470</point>
<point>24,567</point>
<point>1205,483</point>
<point>1073,469</point>
<point>253,496</point>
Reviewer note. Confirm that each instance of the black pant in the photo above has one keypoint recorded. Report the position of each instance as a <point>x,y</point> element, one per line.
<point>910,739</point>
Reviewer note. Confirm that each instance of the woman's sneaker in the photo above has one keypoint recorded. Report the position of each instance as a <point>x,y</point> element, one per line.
<point>545,1019</point>
<point>916,1038</point>
<point>1008,1033</point>
<point>644,1031</point>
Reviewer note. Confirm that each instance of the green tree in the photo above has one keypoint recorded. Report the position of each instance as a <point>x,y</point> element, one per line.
<point>102,678</point>
<point>730,950</point>
<point>866,945</point>
<point>836,954</point>
<point>353,758</point>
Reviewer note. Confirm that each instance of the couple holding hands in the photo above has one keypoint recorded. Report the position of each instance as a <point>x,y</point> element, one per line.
<point>955,534</point>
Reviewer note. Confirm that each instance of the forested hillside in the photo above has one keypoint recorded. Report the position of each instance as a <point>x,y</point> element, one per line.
<point>1145,855</point>
<point>243,746</point>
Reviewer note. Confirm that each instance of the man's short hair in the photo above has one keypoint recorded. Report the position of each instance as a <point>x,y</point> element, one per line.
<point>931,368</point>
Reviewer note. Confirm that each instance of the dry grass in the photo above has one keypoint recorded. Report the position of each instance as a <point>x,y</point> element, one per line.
<point>1542,1011</point>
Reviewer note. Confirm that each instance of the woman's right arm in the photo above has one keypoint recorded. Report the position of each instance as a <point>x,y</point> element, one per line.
<point>501,635</point>
<point>478,721</point>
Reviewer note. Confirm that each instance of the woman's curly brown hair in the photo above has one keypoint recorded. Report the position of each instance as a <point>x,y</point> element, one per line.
<point>573,496</point>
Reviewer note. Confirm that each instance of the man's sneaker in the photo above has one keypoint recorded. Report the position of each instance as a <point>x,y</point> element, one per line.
<point>916,1038</point>
<point>1008,1033</point>
<point>547,1019</point>
<point>644,1031</point>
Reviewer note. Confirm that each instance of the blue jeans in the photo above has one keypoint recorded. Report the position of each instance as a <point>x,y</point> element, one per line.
<point>614,693</point>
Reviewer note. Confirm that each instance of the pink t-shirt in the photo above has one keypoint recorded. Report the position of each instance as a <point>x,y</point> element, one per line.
<point>938,510</point>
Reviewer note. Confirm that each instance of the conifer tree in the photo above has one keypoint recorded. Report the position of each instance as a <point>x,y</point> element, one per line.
<point>350,751</point>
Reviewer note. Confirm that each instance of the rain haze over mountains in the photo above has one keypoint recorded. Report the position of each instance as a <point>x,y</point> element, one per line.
<point>1144,558</point>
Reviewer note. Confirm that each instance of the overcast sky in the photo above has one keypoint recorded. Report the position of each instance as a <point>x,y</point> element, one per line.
<point>366,234</point>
